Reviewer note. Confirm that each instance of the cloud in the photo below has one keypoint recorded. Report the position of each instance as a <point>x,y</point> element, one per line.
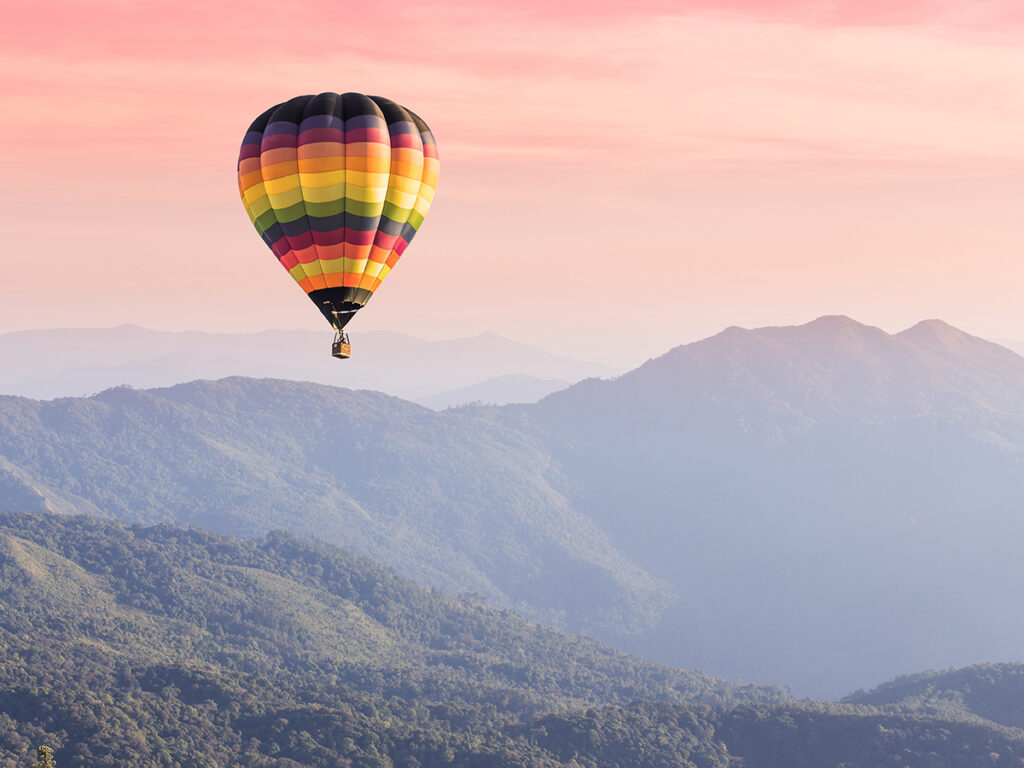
<point>110,86</point>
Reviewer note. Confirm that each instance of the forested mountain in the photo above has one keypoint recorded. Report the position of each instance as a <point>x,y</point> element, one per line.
<point>990,691</point>
<point>165,643</point>
<point>812,506</point>
<point>458,499</point>
<point>167,646</point>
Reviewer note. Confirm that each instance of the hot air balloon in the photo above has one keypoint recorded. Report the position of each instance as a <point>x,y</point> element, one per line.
<point>337,185</point>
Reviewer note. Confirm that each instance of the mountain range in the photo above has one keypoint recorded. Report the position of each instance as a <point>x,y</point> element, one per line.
<point>74,362</point>
<point>813,506</point>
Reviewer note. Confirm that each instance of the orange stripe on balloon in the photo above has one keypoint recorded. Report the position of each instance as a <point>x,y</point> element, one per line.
<point>305,255</point>
<point>321,164</point>
<point>331,252</point>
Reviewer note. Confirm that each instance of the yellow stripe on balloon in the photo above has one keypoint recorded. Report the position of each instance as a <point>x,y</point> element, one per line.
<point>326,179</point>
<point>364,179</point>
<point>258,207</point>
<point>314,194</point>
<point>404,200</point>
<point>282,184</point>
<point>366,194</point>
<point>287,197</point>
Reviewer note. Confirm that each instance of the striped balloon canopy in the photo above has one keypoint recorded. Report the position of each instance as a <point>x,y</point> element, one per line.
<point>337,185</point>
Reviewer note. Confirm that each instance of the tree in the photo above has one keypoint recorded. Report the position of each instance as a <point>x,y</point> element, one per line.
<point>45,758</point>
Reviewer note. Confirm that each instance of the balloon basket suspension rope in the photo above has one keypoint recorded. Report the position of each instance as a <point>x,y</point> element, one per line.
<point>341,348</point>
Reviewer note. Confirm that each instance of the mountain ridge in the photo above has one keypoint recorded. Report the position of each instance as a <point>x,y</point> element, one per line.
<point>697,510</point>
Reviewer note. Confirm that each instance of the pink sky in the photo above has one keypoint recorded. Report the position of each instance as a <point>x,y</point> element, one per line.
<point>648,172</point>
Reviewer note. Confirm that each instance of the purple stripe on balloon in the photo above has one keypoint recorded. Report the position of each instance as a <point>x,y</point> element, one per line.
<point>314,135</point>
<point>378,135</point>
<point>403,126</point>
<point>281,126</point>
<point>248,151</point>
<point>273,234</point>
<point>293,230</point>
<point>277,141</point>
<point>408,233</point>
<point>364,121</point>
<point>388,226</point>
<point>321,121</point>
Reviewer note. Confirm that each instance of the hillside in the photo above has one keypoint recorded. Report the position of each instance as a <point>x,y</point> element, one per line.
<point>990,691</point>
<point>162,641</point>
<point>812,506</point>
<point>456,500</point>
<point>167,646</point>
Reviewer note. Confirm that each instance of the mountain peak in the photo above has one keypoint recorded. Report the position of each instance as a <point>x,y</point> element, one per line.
<point>826,333</point>
<point>936,332</point>
<point>939,336</point>
<point>834,322</point>
<point>826,325</point>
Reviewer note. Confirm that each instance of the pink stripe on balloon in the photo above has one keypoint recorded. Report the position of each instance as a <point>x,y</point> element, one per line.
<point>376,135</point>
<point>277,141</point>
<point>315,135</point>
<point>301,240</point>
<point>358,237</point>
<point>332,237</point>
<point>385,241</point>
<point>280,247</point>
<point>407,141</point>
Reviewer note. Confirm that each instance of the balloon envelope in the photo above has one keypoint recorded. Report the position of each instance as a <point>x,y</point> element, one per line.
<point>337,185</point>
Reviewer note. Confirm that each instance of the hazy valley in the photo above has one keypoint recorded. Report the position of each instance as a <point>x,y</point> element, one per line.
<point>74,362</point>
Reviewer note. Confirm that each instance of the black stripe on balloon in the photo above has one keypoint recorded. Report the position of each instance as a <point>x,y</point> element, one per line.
<point>295,228</point>
<point>340,300</point>
<point>389,227</point>
<point>356,104</point>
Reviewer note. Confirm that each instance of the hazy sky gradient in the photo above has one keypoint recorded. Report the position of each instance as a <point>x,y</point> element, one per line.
<point>653,170</point>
